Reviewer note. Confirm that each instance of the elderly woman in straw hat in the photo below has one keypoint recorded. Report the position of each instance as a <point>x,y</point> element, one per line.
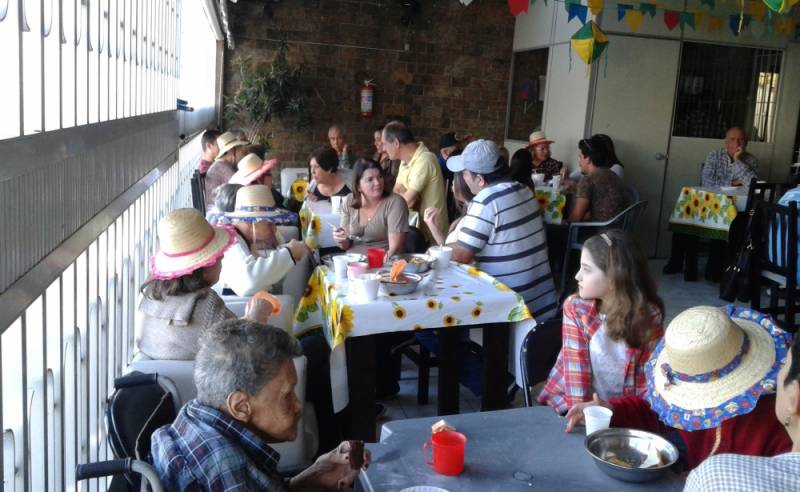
<point>253,169</point>
<point>257,260</point>
<point>543,162</point>
<point>711,384</point>
<point>225,165</point>
<point>177,301</point>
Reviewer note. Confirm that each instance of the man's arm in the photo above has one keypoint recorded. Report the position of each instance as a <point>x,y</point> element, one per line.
<point>744,170</point>
<point>710,165</point>
<point>411,197</point>
<point>462,254</point>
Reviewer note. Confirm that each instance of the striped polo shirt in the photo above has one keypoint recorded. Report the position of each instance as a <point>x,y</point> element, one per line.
<point>504,227</point>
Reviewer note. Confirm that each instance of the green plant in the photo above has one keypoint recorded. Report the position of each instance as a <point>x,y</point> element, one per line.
<point>268,92</point>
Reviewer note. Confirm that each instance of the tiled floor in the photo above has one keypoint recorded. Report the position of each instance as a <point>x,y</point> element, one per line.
<point>677,294</point>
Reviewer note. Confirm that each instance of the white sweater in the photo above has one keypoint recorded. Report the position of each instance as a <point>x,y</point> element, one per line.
<point>246,274</point>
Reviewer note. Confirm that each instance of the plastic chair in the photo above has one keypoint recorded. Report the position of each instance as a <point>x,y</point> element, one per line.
<point>764,192</point>
<point>579,231</point>
<point>538,354</point>
<point>633,193</point>
<point>775,262</point>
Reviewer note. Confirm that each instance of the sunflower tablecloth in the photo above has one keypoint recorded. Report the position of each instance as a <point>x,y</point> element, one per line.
<point>458,296</point>
<point>706,212</point>
<point>551,203</point>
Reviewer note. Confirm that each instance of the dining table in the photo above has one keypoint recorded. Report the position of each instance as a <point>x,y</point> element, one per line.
<point>507,450</point>
<point>454,298</point>
<point>707,211</point>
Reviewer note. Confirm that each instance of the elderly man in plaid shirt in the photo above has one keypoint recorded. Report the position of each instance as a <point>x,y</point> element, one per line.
<point>245,380</point>
<point>731,165</point>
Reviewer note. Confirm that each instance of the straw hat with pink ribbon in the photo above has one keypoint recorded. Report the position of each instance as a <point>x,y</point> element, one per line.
<point>538,138</point>
<point>188,242</point>
<point>251,168</point>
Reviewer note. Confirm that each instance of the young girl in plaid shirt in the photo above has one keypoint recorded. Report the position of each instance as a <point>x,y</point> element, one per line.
<point>610,326</point>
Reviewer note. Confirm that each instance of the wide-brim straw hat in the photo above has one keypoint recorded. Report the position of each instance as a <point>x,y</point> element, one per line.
<point>251,168</point>
<point>227,141</point>
<point>712,365</point>
<point>255,202</point>
<point>537,138</point>
<point>188,242</point>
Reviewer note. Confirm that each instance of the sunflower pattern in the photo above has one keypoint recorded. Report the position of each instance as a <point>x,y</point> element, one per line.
<point>299,188</point>
<point>551,203</point>
<point>465,297</point>
<point>704,213</point>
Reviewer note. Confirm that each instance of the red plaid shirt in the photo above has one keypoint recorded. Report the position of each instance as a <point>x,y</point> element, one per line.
<point>570,380</point>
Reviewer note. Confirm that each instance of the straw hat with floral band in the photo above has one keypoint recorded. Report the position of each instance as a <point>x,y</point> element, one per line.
<point>255,203</point>
<point>188,242</point>
<point>226,142</point>
<point>712,365</point>
<point>251,168</point>
<point>538,138</point>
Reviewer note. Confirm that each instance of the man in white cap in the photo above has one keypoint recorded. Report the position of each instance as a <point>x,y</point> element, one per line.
<point>503,230</point>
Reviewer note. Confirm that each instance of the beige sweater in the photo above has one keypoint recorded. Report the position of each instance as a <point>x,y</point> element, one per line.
<point>169,329</point>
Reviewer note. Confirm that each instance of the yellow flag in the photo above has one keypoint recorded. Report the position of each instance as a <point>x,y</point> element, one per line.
<point>699,15</point>
<point>758,10</point>
<point>714,23</point>
<point>634,19</point>
<point>595,6</point>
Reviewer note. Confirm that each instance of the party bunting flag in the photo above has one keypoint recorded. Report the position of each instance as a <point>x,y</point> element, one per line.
<point>687,19</point>
<point>634,19</point>
<point>671,19</point>
<point>758,10</point>
<point>622,8</point>
<point>710,3</point>
<point>577,10</point>
<point>734,21</point>
<point>699,15</point>
<point>714,23</point>
<point>648,8</point>
<point>595,6</point>
<point>517,7</point>
<point>589,42</point>
<point>781,6</point>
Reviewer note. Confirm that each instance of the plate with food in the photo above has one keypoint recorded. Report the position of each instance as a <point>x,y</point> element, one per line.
<point>397,281</point>
<point>415,263</point>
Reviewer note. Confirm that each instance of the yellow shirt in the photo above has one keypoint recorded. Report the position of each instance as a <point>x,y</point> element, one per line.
<point>423,175</point>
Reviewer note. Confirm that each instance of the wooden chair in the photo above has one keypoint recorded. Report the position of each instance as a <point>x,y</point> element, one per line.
<point>775,262</point>
<point>765,192</point>
<point>539,352</point>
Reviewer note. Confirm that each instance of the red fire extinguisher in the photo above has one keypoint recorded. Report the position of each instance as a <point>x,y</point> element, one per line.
<point>367,92</point>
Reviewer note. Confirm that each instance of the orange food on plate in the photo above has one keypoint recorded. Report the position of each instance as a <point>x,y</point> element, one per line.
<point>397,269</point>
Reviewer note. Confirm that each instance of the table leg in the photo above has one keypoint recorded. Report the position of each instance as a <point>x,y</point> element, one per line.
<point>495,366</point>
<point>449,365</point>
<point>361,383</point>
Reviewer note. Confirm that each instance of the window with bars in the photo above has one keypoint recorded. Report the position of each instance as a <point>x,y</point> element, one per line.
<point>724,86</point>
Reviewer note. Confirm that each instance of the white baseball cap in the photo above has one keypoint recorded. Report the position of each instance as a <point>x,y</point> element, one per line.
<point>479,157</point>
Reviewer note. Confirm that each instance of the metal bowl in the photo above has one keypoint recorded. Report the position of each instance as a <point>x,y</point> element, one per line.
<point>398,288</point>
<point>415,263</point>
<point>614,448</point>
<point>327,260</point>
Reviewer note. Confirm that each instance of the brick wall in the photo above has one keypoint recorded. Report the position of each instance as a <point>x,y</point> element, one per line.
<point>453,77</point>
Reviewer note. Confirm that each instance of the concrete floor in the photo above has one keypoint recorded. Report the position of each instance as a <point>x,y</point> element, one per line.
<point>677,294</point>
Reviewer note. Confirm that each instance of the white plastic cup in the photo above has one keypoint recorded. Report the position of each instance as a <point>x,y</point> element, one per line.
<point>538,179</point>
<point>443,255</point>
<point>556,182</point>
<point>366,286</point>
<point>340,266</point>
<point>597,418</point>
<point>336,204</point>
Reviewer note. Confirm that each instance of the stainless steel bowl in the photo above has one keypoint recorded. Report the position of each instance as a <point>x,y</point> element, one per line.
<point>327,260</point>
<point>416,263</point>
<point>631,447</point>
<point>398,288</point>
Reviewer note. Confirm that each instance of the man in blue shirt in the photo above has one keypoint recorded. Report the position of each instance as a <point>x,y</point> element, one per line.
<point>245,380</point>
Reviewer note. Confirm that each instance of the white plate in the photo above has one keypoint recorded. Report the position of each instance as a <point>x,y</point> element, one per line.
<point>424,488</point>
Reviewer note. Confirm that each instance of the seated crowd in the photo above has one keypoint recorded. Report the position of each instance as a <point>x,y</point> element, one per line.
<point>707,382</point>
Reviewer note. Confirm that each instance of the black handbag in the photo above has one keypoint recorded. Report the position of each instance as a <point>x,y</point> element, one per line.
<point>736,278</point>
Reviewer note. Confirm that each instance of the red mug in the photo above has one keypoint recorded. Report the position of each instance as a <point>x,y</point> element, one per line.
<point>448,452</point>
<point>375,257</point>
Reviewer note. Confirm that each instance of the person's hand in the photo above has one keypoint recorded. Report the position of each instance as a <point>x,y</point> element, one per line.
<point>339,235</point>
<point>737,156</point>
<point>344,149</point>
<point>575,414</point>
<point>258,310</point>
<point>298,249</point>
<point>331,470</point>
<point>736,182</point>
<point>431,217</point>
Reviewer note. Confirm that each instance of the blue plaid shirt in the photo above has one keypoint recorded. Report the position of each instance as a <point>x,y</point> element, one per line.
<point>737,473</point>
<point>720,170</point>
<point>205,449</point>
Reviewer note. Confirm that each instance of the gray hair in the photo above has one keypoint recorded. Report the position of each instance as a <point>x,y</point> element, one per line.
<point>239,355</point>
<point>336,127</point>
<point>225,197</point>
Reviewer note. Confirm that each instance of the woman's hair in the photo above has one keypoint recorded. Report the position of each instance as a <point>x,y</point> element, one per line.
<point>793,373</point>
<point>257,149</point>
<point>326,158</point>
<point>522,167</point>
<point>461,193</point>
<point>363,165</point>
<point>632,290</point>
<point>158,289</point>
<point>612,154</point>
<point>595,149</point>
<point>225,197</point>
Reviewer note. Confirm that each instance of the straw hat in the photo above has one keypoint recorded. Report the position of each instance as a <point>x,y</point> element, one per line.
<point>537,138</point>
<point>187,242</point>
<point>712,365</point>
<point>226,142</point>
<point>255,202</point>
<point>251,167</point>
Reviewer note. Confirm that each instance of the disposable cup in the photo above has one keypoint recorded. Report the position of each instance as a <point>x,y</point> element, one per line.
<point>365,286</point>
<point>443,255</point>
<point>340,266</point>
<point>538,179</point>
<point>597,418</point>
<point>336,204</point>
<point>556,182</point>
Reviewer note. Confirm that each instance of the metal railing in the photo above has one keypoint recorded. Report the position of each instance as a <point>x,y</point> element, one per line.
<point>59,358</point>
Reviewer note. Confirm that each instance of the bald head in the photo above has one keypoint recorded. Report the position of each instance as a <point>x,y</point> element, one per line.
<point>735,141</point>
